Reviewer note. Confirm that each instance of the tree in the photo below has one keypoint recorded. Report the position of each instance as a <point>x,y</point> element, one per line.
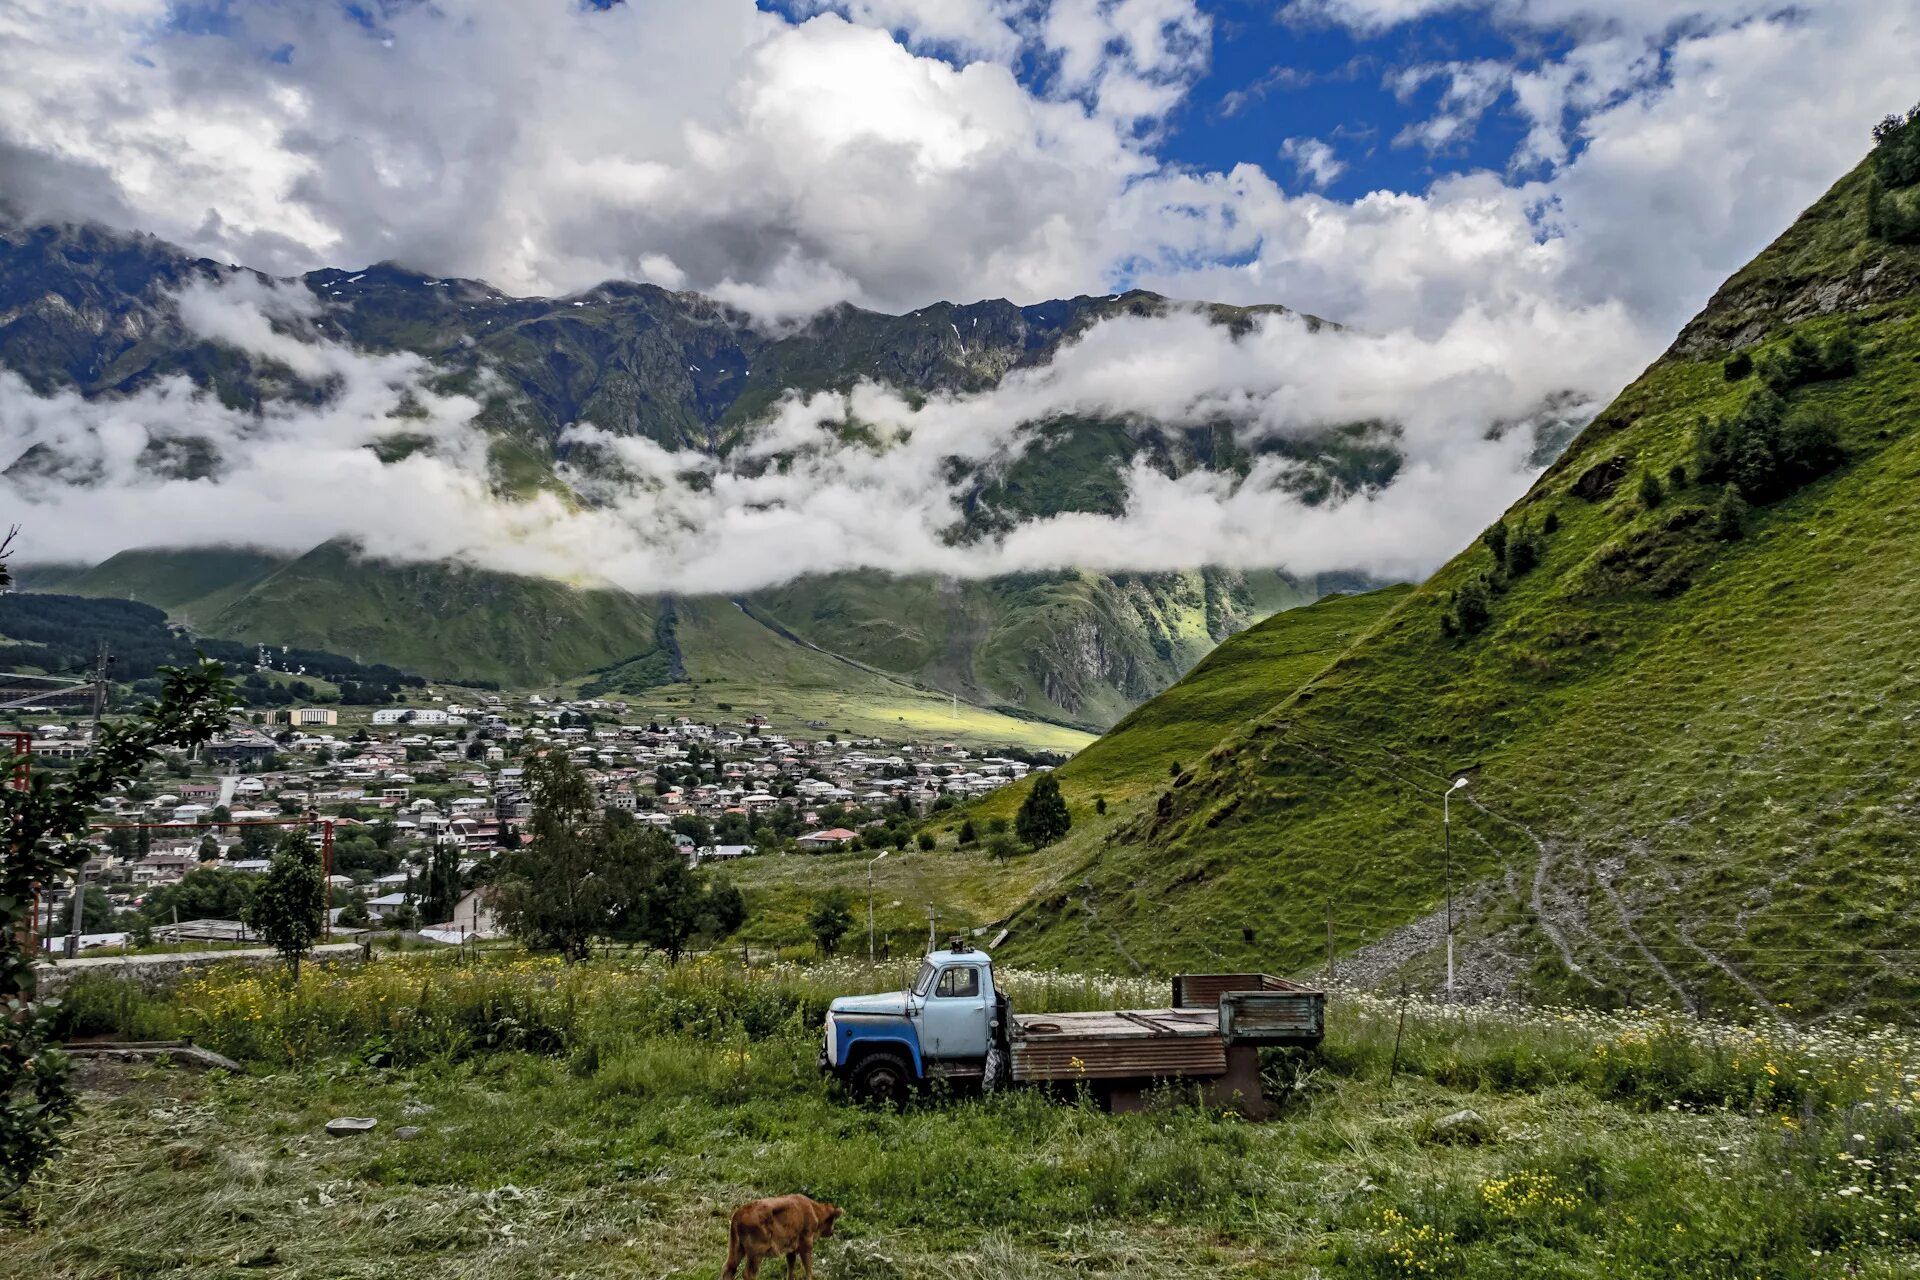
<point>926,841</point>
<point>443,883</point>
<point>41,828</point>
<point>1043,816</point>
<point>551,897</point>
<point>289,909</point>
<point>654,897</point>
<point>968,836</point>
<point>96,915</point>
<point>201,894</point>
<point>829,920</point>
<point>353,914</point>
<point>1100,805</point>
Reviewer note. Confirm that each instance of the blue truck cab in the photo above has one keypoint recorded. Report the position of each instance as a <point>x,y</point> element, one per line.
<point>949,1023</point>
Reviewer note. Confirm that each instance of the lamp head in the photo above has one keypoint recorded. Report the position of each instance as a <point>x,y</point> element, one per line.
<point>1457,784</point>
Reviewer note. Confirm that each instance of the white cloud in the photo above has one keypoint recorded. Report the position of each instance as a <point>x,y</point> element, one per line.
<point>782,165</point>
<point>297,474</point>
<point>1313,159</point>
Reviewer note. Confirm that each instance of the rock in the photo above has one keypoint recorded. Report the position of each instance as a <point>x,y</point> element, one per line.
<point>1599,480</point>
<point>408,1132</point>
<point>348,1126</point>
<point>1461,1126</point>
<point>417,1109</point>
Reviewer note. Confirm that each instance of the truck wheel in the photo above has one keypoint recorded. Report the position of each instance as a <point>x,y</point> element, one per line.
<point>994,1076</point>
<point>882,1078</point>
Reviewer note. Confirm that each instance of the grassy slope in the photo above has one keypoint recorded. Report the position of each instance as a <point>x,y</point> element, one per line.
<point>1703,798</point>
<point>439,620</point>
<point>984,640</point>
<point>732,658</point>
<point>1246,674</point>
<point>192,585</point>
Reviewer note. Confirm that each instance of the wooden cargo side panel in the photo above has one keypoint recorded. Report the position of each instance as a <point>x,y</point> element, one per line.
<point>1150,1044</point>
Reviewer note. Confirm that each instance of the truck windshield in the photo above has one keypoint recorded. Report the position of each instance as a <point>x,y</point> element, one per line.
<point>924,979</point>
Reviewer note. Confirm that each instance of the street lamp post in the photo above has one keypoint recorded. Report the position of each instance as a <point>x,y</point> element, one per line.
<point>1446,823</point>
<point>883,853</point>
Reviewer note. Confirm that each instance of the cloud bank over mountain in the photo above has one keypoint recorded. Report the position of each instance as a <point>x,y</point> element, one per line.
<point>894,152</point>
<point>806,492</point>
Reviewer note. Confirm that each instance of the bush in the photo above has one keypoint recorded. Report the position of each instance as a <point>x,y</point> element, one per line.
<point>1737,366</point>
<point>1469,607</point>
<point>1650,493</point>
<point>1896,150</point>
<point>1729,515</point>
<point>1802,360</point>
<point>1762,452</point>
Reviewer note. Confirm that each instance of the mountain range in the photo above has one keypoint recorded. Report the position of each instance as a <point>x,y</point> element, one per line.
<point>95,311</point>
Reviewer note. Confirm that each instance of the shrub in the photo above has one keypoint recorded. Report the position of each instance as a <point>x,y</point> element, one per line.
<point>1896,150</point>
<point>1729,515</point>
<point>926,841</point>
<point>1737,366</point>
<point>1802,360</point>
<point>1764,453</point>
<point>1469,607</point>
<point>1496,538</point>
<point>1650,492</point>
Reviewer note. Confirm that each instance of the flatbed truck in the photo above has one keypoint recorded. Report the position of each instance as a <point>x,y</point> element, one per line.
<point>953,1024</point>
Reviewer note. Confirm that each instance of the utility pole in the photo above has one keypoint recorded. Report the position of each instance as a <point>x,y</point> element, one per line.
<point>1329,941</point>
<point>1446,823</point>
<point>883,853</point>
<point>99,696</point>
<point>79,910</point>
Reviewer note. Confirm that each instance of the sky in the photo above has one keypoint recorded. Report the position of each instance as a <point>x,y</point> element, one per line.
<point>1504,197</point>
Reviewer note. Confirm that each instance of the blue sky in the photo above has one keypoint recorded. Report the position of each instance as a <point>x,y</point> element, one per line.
<point>1271,79</point>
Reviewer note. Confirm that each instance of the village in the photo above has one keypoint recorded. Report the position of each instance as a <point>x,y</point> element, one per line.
<point>384,789</point>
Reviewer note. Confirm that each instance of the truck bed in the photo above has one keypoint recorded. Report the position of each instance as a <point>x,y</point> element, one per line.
<point>1127,1044</point>
<point>1194,1041</point>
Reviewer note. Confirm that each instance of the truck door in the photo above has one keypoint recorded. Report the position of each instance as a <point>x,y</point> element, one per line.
<point>953,1020</point>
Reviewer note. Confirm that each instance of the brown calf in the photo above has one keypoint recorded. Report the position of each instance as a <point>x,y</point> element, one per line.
<point>785,1226</point>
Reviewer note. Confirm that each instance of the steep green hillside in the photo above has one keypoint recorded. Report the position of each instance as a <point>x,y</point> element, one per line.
<point>190,584</point>
<point>1246,674</point>
<point>1076,647</point>
<point>736,664</point>
<point>1689,727</point>
<point>443,621</point>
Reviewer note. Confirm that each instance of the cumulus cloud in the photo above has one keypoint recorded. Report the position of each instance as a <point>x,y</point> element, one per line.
<point>1313,159</point>
<point>894,152</point>
<point>886,498</point>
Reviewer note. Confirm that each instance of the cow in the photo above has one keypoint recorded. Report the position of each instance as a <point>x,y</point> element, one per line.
<point>783,1226</point>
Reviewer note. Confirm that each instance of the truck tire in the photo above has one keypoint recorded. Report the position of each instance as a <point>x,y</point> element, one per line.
<point>994,1076</point>
<point>882,1078</point>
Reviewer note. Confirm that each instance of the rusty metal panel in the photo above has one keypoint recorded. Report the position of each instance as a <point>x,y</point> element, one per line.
<point>1128,1044</point>
<point>1203,990</point>
<point>1098,1058</point>
<point>1273,1017</point>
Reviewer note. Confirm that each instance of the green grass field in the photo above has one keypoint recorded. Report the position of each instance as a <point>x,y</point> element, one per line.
<point>603,1121</point>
